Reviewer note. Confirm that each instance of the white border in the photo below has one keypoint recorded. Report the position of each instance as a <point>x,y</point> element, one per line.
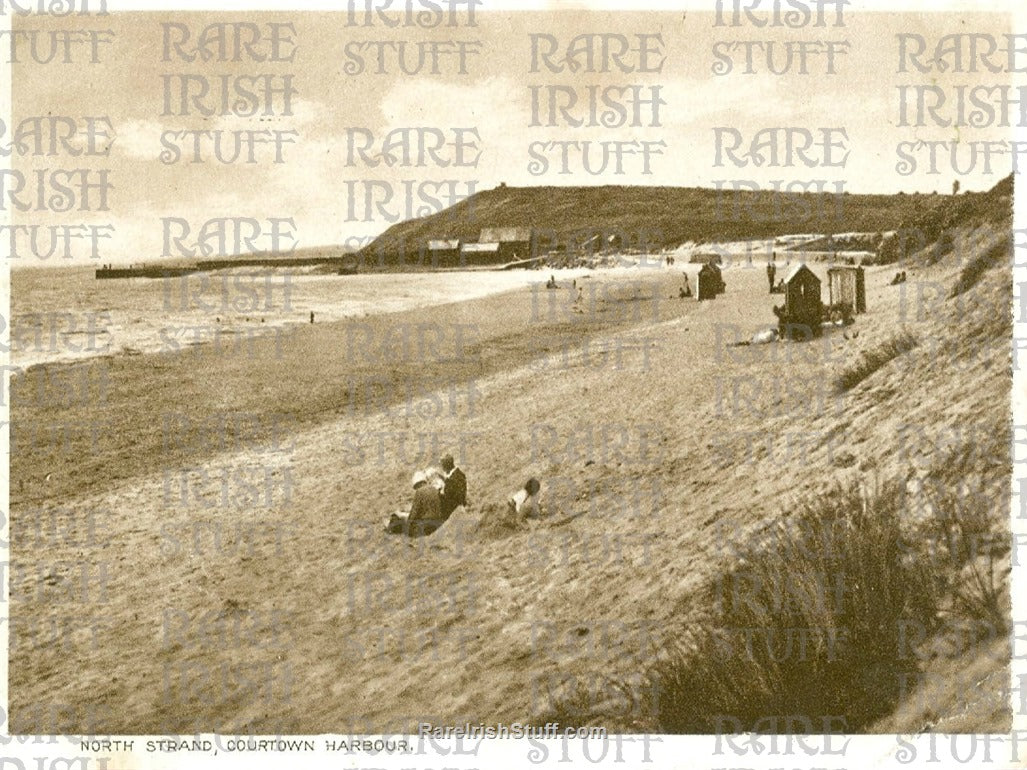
<point>632,751</point>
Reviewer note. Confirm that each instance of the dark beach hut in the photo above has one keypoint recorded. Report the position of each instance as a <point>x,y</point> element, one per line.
<point>846,289</point>
<point>715,264</point>
<point>709,282</point>
<point>803,306</point>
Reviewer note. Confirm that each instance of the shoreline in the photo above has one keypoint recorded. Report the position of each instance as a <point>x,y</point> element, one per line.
<point>186,327</point>
<point>358,364</point>
<point>133,327</point>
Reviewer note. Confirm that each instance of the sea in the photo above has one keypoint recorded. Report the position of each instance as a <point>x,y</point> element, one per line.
<point>66,314</point>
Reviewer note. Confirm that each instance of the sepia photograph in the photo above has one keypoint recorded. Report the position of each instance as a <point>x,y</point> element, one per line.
<point>433,382</point>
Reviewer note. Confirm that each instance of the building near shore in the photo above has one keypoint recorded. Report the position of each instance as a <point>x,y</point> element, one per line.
<point>444,252</point>
<point>479,254</point>
<point>514,242</point>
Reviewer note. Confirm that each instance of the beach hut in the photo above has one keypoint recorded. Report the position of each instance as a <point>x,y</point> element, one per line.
<point>709,282</point>
<point>803,306</point>
<point>714,264</point>
<point>846,289</point>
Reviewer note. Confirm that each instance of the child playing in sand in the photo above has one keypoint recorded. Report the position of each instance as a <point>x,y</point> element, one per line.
<point>524,502</point>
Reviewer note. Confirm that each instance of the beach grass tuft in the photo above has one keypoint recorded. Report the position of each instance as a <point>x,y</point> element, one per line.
<point>871,360</point>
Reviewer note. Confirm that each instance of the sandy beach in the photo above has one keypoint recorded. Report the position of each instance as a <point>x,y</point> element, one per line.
<point>237,578</point>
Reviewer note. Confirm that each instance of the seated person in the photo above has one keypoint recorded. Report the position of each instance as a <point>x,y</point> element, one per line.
<point>524,502</point>
<point>436,478</point>
<point>454,491</point>
<point>425,513</point>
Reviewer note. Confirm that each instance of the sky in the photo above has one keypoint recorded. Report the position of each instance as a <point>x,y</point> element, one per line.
<point>323,185</point>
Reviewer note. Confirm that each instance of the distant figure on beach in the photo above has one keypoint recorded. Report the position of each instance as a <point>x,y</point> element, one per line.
<point>900,277</point>
<point>524,502</point>
<point>311,316</point>
<point>578,299</point>
<point>771,272</point>
<point>686,290</point>
<point>551,283</point>
<point>454,490</point>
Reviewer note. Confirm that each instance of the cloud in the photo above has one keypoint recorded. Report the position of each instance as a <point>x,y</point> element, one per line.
<point>140,139</point>
<point>137,139</point>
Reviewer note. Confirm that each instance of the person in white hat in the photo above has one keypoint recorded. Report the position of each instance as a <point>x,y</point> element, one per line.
<point>425,513</point>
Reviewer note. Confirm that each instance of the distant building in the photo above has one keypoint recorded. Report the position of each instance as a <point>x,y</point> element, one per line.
<point>479,254</point>
<point>514,242</point>
<point>444,252</point>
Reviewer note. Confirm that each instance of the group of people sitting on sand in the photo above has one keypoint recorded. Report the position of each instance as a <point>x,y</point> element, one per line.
<point>439,492</point>
<point>900,277</point>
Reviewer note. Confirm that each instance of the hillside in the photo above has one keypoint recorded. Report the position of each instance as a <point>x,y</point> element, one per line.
<point>926,235</point>
<point>660,216</point>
